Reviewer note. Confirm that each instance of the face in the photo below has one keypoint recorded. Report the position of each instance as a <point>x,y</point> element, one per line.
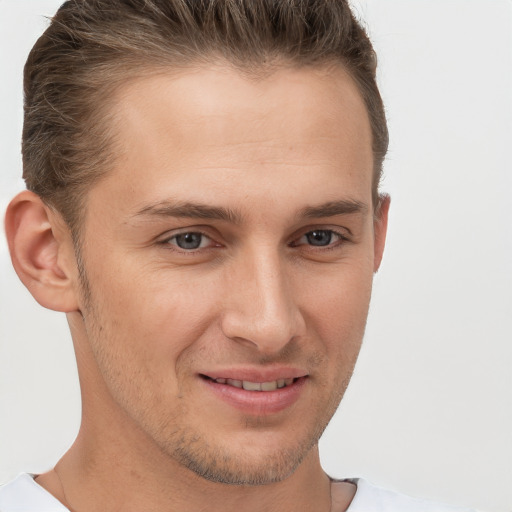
<point>228,259</point>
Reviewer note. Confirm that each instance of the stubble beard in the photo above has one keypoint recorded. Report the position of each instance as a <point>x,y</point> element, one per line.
<point>219,465</point>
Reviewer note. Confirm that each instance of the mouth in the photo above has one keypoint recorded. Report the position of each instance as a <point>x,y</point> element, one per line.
<point>255,393</point>
<point>248,385</point>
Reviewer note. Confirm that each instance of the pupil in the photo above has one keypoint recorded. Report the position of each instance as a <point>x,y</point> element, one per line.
<point>189,240</point>
<point>319,238</point>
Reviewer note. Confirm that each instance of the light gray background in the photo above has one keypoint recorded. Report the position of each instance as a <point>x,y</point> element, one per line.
<point>429,411</point>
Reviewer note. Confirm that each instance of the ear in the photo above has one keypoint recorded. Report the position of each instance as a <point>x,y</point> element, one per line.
<point>380,229</point>
<point>42,252</point>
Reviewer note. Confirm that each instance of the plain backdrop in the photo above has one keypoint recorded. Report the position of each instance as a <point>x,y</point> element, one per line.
<point>429,411</point>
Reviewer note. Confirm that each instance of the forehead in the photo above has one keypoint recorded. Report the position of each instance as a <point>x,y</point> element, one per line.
<point>219,133</point>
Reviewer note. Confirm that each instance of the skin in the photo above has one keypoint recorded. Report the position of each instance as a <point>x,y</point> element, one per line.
<point>287,161</point>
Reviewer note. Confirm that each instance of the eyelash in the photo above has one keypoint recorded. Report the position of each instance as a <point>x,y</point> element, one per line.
<point>342,238</point>
<point>168,241</point>
<point>330,246</point>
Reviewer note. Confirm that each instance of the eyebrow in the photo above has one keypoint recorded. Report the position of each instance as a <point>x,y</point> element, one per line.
<point>203,211</point>
<point>190,210</point>
<point>333,208</point>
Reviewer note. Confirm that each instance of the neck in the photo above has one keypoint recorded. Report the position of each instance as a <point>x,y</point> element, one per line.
<point>106,479</point>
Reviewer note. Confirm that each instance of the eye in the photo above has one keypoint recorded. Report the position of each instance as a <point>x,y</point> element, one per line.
<point>190,241</point>
<point>319,238</point>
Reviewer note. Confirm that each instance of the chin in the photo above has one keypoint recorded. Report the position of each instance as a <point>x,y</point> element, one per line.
<point>240,470</point>
<point>253,466</point>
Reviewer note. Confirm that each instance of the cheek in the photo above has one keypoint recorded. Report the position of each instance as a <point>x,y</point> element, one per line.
<point>157,305</point>
<point>341,295</point>
<point>336,310</point>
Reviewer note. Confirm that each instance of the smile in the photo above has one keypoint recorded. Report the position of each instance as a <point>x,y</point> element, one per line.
<point>255,386</point>
<point>254,394</point>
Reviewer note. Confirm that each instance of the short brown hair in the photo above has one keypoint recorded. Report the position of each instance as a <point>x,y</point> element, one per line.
<point>93,46</point>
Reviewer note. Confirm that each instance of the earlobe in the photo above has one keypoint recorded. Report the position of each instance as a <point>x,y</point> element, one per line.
<point>42,252</point>
<point>380,229</point>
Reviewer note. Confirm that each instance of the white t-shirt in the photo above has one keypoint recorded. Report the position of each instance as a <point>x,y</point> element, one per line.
<point>23,494</point>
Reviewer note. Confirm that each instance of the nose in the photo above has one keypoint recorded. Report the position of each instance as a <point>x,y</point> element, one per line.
<point>261,310</point>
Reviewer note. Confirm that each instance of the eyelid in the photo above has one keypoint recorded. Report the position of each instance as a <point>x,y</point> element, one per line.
<point>204,240</point>
<point>343,237</point>
<point>165,239</point>
<point>171,233</point>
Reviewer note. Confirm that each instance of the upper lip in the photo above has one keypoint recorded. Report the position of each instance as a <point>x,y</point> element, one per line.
<point>256,374</point>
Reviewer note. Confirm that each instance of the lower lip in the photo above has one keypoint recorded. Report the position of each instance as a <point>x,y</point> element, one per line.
<point>258,403</point>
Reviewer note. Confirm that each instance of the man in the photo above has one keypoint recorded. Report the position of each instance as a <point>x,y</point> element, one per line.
<point>204,206</point>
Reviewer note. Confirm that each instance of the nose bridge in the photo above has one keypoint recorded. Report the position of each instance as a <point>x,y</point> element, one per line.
<point>261,309</point>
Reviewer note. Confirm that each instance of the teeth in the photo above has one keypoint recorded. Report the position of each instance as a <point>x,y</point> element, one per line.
<point>269,386</point>
<point>256,386</point>
<point>251,386</point>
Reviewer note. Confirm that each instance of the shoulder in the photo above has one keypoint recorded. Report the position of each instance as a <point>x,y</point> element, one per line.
<point>23,494</point>
<point>371,498</point>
